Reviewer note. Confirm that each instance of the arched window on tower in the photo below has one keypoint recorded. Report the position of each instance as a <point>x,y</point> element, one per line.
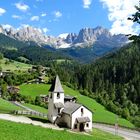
<point>58,95</point>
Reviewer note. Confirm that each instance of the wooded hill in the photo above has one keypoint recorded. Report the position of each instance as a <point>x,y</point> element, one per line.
<point>113,80</point>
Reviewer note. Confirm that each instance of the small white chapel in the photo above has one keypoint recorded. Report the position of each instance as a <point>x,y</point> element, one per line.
<point>67,113</point>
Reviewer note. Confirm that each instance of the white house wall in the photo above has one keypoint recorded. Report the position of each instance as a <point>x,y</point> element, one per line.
<point>86,113</point>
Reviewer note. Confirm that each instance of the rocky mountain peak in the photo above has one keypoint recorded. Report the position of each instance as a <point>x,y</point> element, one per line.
<point>71,38</point>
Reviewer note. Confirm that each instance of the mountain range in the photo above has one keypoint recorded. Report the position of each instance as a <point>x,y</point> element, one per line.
<point>85,37</point>
<point>88,44</point>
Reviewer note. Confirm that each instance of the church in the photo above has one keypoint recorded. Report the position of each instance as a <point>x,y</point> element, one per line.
<point>67,113</point>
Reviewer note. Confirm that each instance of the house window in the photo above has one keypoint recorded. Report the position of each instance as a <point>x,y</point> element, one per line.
<point>75,126</point>
<point>82,111</point>
<point>58,95</point>
<point>87,125</point>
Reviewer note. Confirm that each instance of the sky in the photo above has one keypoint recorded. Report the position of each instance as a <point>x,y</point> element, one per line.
<point>54,17</point>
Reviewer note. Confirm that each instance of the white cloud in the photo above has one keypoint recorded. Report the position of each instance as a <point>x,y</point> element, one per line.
<point>45,30</point>
<point>119,11</point>
<point>21,6</point>
<point>16,17</point>
<point>2,11</point>
<point>57,14</point>
<point>44,14</point>
<point>34,18</point>
<point>87,3</point>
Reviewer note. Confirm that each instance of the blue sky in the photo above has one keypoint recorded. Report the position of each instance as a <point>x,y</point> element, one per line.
<point>54,17</point>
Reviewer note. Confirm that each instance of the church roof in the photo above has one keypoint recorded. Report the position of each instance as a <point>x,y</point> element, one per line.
<point>70,107</point>
<point>56,85</point>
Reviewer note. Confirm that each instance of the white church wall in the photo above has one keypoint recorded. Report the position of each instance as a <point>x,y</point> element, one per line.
<point>58,100</point>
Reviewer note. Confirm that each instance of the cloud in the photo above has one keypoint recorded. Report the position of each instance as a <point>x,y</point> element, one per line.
<point>87,3</point>
<point>2,11</point>
<point>16,17</point>
<point>118,12</point>
<point>22,7</point>
<point>44,14</point>
<point>57,14</point>
<point>34,18</point>
<point>45,30</point>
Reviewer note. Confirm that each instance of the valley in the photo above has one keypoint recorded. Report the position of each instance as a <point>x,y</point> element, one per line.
<point>83,83</point>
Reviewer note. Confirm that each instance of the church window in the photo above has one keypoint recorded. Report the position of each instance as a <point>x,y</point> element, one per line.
<point>87,125</point>
<point>58,95</point>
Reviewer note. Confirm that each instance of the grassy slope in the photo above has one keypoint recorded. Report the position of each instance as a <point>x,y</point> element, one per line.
<point>34,89</point>
<point>100,113</point>
<point>17,131</point>
<point>7,107</point>
<point>12,66</point>
<point>37,108</point>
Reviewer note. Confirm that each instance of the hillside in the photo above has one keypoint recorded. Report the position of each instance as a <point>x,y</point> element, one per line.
<point>17,131</point>
<point>100,113</point>
<point>8,65</point>
<point>7,107</point>
<point>14,49</point>
<point>112,80</point>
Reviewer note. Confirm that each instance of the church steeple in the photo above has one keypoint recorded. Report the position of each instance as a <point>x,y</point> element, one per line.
<point>56,86</point>
<point>56,100</point>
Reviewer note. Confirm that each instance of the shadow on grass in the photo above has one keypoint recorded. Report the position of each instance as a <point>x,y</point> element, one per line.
<point>43,120</point>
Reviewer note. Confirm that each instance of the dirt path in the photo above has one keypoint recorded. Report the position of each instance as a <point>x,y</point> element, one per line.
<point>26,120</point>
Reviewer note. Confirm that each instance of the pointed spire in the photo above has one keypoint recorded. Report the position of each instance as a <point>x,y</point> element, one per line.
<point>56,86</point>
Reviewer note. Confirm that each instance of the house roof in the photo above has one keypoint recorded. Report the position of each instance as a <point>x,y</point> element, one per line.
<point>83,119</point>
<point>68,97</point>
<point>56,86</point>
<point>70,107</point>
<point>58,105</point>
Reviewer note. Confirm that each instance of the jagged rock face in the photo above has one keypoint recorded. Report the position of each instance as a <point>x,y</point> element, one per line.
<point>85,35</point>
<point>71,38</point>
<point>92,35</point>
<point>30,34</point>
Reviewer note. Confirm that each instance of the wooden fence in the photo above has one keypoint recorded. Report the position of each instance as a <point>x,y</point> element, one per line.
<point>32,113</point>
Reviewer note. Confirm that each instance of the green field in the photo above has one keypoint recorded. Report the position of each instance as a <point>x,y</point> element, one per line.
<point>18,131</point>
<point>14,65</point>
<point>100,113</point>
<point>34,90</point>
<point>7,107</point>
<point>37,108</point>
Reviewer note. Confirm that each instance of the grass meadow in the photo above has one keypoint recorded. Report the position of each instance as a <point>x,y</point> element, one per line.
<point>14,65</point>
<point>17,131</point>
